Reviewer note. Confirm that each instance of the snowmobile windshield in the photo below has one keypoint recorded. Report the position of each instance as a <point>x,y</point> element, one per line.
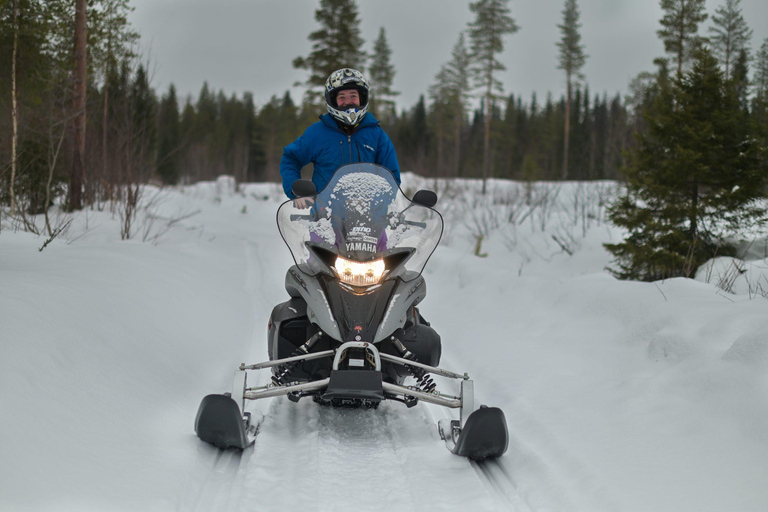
<point>360,217</point>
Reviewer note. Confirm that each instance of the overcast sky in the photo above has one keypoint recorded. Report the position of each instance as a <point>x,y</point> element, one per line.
<point>248,45</point>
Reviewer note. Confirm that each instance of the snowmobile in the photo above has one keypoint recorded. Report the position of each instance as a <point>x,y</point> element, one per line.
<point>351,334</point>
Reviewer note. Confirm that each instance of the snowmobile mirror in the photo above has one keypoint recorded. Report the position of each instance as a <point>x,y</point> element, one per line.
<point>303,188</point>
<point>425,198</point>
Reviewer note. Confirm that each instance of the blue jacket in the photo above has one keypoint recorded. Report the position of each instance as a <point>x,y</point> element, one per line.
<point>329,147</point>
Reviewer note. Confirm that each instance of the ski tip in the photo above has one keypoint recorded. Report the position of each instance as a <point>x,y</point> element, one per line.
<point>484,435</point>
<point>220,423</point>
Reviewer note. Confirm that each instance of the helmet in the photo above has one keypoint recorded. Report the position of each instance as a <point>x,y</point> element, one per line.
<point>343,79</point>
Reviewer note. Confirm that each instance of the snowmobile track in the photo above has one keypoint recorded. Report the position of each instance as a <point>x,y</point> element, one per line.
<point>216,490</point>
<point>499,482</point>
<point>495,477</point>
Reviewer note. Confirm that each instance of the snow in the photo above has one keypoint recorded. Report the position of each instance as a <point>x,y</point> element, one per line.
<point>620,396</point>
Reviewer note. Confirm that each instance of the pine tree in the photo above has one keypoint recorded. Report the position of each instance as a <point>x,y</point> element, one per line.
<point>337,44</point>
<point>79,82</point>
<point>680,25</point>
<point>382,74</point>
<point>492,22</point>
<point>695,177</point>
<point>571,61</point>
<point>730,34</point>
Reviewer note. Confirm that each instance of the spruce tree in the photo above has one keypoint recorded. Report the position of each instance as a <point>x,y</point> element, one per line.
<point>730,34</point>
<point>169,138</point>
<point>740,79</point>
<point>381,75</point>
<point>336,44</point>
<point>492,22</point>
<point>571,60</point>
<point>680,28</point>
<point>760,100</point>
<point>695,178</point>
<point>452,91</point>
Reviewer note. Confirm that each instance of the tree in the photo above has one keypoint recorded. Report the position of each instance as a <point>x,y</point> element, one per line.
<point>169,138</point>
<point>680,25</point>
<point>113,42</point>
<point>382,74</point>
<point>730,33</point>
<point>571,61</point>
<point>739,79</point>
<point>760,101</point>
<point>337,44</point>
<point>79,83</point>
<point>492,22</point>
<point>452,91</point>
<point>695,177</point>
<point>14,104</point>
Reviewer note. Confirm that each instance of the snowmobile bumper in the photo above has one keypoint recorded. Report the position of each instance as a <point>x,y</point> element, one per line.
<point>477,434</point>
<point>355,384</point>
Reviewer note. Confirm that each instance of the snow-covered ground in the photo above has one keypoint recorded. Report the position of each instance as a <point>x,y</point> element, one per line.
<point>620,396</point>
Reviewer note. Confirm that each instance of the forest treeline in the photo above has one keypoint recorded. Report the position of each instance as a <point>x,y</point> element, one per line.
<point>120,131</point>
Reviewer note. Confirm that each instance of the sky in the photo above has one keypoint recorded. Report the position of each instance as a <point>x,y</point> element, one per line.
<point>249,45</point>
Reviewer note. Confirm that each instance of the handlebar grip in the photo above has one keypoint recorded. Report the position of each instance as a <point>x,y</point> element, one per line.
<point>298,216</point>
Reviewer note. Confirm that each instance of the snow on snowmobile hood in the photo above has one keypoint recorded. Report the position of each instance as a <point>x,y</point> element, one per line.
<point>362,216</point>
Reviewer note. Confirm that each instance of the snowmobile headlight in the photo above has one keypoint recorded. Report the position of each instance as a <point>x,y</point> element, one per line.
<point>358,273</point>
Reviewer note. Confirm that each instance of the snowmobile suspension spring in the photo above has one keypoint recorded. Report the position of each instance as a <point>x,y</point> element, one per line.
<point>285,371</point>
<point>422,377</point>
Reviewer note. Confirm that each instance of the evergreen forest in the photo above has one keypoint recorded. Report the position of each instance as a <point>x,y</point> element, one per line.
<point>82,124</point>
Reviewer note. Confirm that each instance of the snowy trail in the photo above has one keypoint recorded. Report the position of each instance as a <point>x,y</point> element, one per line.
<point>309,457</point>
<point>619,396</point>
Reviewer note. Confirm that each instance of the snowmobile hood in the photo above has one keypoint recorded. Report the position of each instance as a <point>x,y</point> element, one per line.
<point>361,216</point>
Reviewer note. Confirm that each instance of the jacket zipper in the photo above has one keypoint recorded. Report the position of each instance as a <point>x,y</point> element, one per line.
<point>349,141</point>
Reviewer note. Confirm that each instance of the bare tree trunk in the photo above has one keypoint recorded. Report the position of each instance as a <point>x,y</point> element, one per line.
<point>487,137</point>
<point>457,138</point>
<point>14,106</point>
<point>566,141</point>
<point>53,156</point>
<point>77,176</point>
<point>440,142</point>
<point>104,125</point>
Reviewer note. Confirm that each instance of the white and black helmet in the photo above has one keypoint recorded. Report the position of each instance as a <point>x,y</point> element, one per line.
<point>340,80</point>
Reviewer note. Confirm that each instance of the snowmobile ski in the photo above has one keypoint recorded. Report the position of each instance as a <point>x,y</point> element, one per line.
<point>483,436</point>
<point>220,423</point>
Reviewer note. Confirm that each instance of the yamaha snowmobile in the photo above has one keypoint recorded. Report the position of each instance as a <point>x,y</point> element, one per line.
<point>351,334</point>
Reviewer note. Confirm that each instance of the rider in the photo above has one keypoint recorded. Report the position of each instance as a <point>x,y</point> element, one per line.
<point>347,134</point>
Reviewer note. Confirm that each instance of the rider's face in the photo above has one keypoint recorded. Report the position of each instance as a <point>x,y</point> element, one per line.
<point>348,98</point>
